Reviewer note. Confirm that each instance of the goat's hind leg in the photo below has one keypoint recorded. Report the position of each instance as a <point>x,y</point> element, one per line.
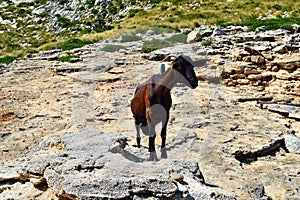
<point>153,156</point>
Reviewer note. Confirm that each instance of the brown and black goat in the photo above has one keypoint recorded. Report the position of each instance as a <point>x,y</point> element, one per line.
<point>152,101</point>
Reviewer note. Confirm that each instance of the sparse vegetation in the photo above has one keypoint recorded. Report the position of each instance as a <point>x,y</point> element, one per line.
<point>207,42</point>
<point>179,38</point>
<point>130,38</point>
<point>163,15</point>
<point>67,58</point>
<point>154,44</point>
<point>112,48</point>
<point>271,24</point>
<point>132,12</point>
<point>72,44</point>
<point>7,59</point>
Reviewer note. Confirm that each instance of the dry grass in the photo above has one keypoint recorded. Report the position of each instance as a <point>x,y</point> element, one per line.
<point>187,13</point>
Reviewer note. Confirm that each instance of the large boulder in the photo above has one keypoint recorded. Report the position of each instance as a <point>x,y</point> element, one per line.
<point>194,36</point>
<point>95,165</point>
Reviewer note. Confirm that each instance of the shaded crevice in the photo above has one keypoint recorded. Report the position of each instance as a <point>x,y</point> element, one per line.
<point>88,168</point>
<point>248,157</point>
<point>41,184</point>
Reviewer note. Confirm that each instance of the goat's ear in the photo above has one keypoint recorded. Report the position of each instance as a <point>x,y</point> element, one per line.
<point>175,64</point>
<point>179,59</point>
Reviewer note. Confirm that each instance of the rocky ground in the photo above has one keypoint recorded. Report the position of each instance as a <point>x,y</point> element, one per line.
<point>63,126</point>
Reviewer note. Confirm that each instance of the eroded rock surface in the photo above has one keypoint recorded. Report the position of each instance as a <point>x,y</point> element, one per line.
<point>66,129</point>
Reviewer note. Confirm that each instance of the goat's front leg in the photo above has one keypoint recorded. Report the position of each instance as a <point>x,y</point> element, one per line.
<point>138,135</point>
<point>163,135</point>
<point>152,136</point>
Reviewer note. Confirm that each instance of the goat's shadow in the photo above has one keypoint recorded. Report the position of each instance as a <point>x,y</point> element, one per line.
<point>135,154</point>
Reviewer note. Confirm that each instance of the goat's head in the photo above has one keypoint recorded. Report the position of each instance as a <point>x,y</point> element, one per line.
<point>186,71</point>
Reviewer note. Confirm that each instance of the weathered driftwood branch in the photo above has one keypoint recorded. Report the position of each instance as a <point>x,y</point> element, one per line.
<point>250,156</point>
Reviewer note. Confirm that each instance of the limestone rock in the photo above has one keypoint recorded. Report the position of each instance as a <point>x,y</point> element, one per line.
<point>281,49</point>
<point>258,59</point>
<point>52,143</point>
<point>287,64</point>
<point>295,75</point>
<point>254,77</point>
<point>194,36</point>
<point>99,167</point>
<point>217,31</point>
<point>251,50</point>
<point>250,70</point>
<point>235,67</point>
<point>240,55</point>
<point>292,143</point>
<point>283,75</point>
<point>243,81</point>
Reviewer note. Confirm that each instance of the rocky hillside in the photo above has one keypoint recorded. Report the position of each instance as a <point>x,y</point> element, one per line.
<point>66,129</point>
<point>29,26</point>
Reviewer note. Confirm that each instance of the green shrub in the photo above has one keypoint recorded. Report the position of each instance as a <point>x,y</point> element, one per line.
<point>112,9</point>
<point>72,44</point>
<point>90,3</point>
<point>271,24</point>
<point>7,59</point>
<point>132,12</point>
<point>41,2</point>
<point>65,22</point>
<point>179,38</point>
<point>85,31</point>
<point>207,42</point>
<point>62,2</point>
<point>112,48</point>
<point>277,7</point>
<point>130,38</point>
<point>67,58</point>
<point>155,1</point>
<point>11,47</point>
<point>172,19</point>
<point>132,2</point>
<point>164,7</point>
<point>25,4</point>
<point>154,44</point>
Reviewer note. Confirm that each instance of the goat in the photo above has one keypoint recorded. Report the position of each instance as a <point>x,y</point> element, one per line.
<point>152,102</point>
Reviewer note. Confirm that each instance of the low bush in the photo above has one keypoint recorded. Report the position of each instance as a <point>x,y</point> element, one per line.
<point>72,44</point>
<point>112,48</point>
<point>132,12</point>
<point>154,44</point>
<point>130,38</point>
<point>7,59</point>
<point>178,38</point>
<point>67,58</point>
<point>270,24</point>
<point>207,42</point>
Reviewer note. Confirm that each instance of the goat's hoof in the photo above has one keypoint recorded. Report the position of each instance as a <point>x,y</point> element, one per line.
<point>164,154</point>
<point>153,156</point>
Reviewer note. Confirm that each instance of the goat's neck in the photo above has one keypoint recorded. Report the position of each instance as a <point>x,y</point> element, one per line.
<point>168,80</point>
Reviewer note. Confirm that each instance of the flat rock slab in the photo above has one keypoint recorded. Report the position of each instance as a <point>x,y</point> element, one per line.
<point>92,164</point>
